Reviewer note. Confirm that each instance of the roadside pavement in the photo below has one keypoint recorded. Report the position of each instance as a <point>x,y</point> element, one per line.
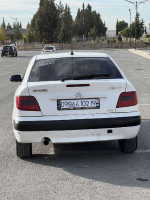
<point>143,53</point>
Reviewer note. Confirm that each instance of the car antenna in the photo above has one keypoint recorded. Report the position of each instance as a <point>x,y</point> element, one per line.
<point>71,47</point>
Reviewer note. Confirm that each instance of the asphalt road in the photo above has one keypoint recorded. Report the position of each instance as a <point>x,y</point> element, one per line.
<point>75,171</point>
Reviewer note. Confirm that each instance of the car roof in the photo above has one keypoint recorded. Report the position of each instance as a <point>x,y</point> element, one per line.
<point>7,46</point>
<point>48,46</point>
<point>68,55</point>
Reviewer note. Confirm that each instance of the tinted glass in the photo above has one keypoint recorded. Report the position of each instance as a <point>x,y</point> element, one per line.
<point>7,47</point>
<point>48,48</point>
<point>56,69</point>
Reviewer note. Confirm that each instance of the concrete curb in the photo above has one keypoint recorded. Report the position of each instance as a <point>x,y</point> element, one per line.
<point>140,53</point>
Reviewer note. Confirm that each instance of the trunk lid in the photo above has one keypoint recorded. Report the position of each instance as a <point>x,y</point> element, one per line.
<point>47,93</point>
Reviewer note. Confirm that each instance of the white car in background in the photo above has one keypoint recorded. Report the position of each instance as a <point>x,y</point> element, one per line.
<point>48,49</point>
<point>77,97</point>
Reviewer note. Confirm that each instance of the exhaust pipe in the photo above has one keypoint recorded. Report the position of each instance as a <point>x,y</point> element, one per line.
<point>46,141</point>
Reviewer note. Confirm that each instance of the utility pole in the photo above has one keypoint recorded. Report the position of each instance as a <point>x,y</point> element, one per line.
<point>14,19</point>
<point>130,27</point>
<point>136,4</point>
<point>83,29</point>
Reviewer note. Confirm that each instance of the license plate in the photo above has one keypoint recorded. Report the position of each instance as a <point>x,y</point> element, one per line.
<point>78,104</point>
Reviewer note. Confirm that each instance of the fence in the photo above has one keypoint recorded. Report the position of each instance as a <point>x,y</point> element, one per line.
<point>82,46</point>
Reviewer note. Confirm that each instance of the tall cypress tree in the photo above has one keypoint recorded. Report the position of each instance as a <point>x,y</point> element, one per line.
<point>66,29</point>
<point>3,25</point>
<point>85,20</point>
<point>44,22</point>
<point>8,26</point>
<point>60,8</point>
<point>139,27</point>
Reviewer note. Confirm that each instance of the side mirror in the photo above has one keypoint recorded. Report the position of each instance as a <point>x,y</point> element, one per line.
<point>15,78</point>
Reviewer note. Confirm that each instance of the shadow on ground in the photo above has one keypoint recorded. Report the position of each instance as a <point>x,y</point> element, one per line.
<point>103,161</point>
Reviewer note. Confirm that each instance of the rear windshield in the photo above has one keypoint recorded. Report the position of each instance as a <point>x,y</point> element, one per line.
<point>7,47</point>
<point>48,48</point>
<point>58,68</point>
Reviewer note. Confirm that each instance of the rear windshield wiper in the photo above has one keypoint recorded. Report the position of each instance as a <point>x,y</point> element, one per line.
<point>89,76</point>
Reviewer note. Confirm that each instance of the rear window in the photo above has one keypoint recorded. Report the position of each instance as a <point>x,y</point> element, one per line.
<point>48,48</point>
<point>7,47</point>
<point>56,69</point>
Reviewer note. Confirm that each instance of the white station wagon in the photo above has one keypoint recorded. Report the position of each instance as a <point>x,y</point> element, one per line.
<point>77,97</point>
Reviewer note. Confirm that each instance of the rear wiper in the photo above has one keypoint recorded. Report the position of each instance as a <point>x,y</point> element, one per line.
<point>89,76</point>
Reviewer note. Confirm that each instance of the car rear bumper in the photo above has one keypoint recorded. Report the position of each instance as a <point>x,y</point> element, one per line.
<point>77,124</point>
<point>74,136</point>
<point>77,130</point>
<point>6,54</point>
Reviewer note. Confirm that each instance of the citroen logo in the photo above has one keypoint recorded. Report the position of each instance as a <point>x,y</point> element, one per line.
<point>78,95</point>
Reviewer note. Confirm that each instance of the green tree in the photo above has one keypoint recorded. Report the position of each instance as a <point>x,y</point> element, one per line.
<point>78,24</point>
<point>93,33</point>
<point>147,35</point>
<point>60,8</point>
<point>17,35</point>
<point>66,27</point>
<point>85,20</point>
<point>139,28</point>
<point>67,20</point>
<point>125,33</point>
<point>2,35</point>
<point>8,26</point>
<point>63,33</point>
<point>16,25</point>
<point>28,25</point>
<point>119,38</point>
<point>3,25</point>
<point>29,36</point>
<point>122,25</point>
<point>20,25</point>
<point>45,22</point>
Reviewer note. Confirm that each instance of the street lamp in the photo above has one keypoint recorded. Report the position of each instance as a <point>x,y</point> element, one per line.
<point>130,27</point>
<point>136,4</point>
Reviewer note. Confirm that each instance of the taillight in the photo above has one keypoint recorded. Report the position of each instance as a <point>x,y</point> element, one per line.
<point>127,99</point>
<point>27,103</point>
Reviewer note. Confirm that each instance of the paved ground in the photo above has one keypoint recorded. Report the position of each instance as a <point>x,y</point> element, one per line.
<point>143,52</point>
<point>77,171</point>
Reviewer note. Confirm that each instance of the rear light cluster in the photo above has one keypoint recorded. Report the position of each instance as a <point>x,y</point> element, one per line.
<point>27,103</point>
<point>127,99</point>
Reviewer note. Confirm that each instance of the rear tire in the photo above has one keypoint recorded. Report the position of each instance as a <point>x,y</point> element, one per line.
<point>23,150</point>
<point>128,146</point>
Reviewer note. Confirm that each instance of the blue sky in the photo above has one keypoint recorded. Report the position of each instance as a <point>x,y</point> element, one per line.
<point>110,11</point>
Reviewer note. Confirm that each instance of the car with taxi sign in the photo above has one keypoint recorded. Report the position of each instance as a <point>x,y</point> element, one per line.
<point>72,98</point>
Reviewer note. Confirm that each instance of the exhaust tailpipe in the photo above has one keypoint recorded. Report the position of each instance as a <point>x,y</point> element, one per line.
<point>46,141</point>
